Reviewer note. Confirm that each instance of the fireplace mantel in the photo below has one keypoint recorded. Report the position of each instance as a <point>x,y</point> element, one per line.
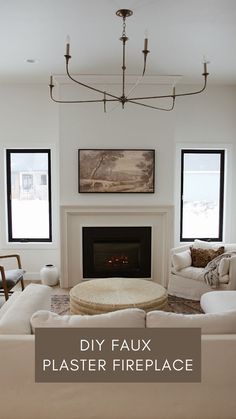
<point>73,218</point>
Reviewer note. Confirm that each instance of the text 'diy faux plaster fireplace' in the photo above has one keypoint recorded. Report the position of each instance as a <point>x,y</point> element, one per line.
<point>75,219</point>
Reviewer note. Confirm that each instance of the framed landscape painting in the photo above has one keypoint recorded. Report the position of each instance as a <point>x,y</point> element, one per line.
<point>116,171</point>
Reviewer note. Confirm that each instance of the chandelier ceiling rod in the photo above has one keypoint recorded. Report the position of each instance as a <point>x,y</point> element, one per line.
<point>124,98</point>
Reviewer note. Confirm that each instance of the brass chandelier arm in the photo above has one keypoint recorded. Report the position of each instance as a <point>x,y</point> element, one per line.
<point>79,101</point>
<point>83,84</point>
<point>145,52</point>
<point>197,91</point>
<point>153,107</point>
<point>144,66</point>
<point>171,95</point>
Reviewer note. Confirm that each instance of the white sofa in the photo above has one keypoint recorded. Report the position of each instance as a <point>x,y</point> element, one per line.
<point>21,397</point>
<point>187,281</point>
<point>218,301</point>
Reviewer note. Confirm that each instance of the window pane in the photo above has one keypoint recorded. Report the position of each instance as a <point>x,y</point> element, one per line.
<point>201,195</point>
<point>28,193</point>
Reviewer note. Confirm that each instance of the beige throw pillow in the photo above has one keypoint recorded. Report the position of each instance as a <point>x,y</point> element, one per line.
<point>182,260</point>
<point>130,317</point>
<point>211,323</point>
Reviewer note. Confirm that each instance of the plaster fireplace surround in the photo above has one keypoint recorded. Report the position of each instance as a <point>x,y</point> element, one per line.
<point>74,219</point>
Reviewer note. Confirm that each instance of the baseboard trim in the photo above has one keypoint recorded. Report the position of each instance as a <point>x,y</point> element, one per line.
<point>32,276</point>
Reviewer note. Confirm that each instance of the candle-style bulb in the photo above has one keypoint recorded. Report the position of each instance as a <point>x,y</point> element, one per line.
<point>173,92</point>
<point>67,45</point>
<point>205,62</point>
<point>51,81</point>
<point>145,44</point>
<point>145,40</point>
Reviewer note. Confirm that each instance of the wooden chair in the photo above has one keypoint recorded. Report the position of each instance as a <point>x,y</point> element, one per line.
<point>10,277</point>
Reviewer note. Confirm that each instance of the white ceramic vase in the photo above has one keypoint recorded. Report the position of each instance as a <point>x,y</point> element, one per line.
<point>49,275</point>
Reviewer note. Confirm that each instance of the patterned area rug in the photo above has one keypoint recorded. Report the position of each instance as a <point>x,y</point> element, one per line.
<point>60,304</point>
<point>182,305</point>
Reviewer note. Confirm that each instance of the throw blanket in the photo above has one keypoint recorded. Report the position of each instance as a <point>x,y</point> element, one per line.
<point>211,271</point>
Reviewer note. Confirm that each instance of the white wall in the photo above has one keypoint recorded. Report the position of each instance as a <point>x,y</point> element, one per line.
<point>87,126</point>
<point>209,120</point>
<point>27,116</point>
<point>29,119</point>
<point>203,120</point>
<point>208,117</point>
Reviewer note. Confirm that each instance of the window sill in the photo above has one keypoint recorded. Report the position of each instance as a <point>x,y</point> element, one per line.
<point>30,245</point>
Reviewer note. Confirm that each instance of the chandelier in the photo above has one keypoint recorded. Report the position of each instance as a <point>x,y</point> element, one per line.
<point>126,97</point>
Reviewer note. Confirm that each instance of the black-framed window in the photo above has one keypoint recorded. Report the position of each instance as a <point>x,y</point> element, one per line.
<point>29,195</point>
<point>202,194</point>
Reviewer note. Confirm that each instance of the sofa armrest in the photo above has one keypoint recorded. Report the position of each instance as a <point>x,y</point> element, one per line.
<point>7,304</point>
<point>16,320</point>
<point>232,273</point>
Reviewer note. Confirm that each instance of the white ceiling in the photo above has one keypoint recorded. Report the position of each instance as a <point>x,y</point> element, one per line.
<point>180,32</point>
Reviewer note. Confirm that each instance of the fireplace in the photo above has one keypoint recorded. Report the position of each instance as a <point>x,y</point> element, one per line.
<point>116,251</point>
<point>75,217</point>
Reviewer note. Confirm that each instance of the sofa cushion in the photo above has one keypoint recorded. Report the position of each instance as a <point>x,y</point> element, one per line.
<point>16,320</point>
<point>202,244</point>
<point>130,317</point>
<point>197,274</point>
<point>191,272</point>
<point>201,257</point>
<point>212,323</point>
<point>182,260</point>
<point>218,301</point>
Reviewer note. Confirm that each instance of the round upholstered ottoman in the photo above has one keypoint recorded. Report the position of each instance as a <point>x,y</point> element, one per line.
<point>102,295</point>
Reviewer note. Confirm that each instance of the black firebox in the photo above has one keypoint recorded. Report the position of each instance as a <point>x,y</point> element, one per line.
<point>117,251</point>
